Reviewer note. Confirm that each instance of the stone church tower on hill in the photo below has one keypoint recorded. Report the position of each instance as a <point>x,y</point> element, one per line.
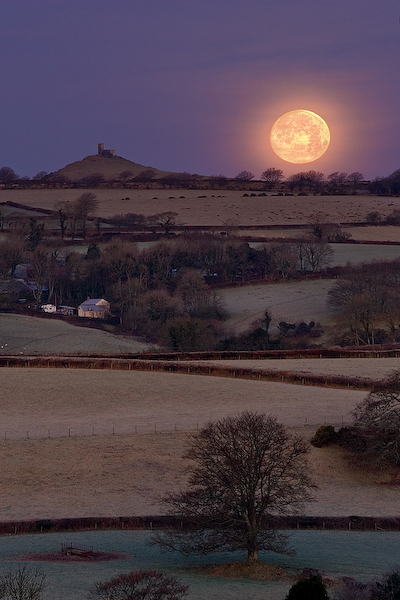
<point>102,152</point>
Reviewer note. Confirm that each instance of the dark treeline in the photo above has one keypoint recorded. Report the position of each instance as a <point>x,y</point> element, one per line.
<point>366,301</point>
<point>270,179</point>
<point>166,292</point>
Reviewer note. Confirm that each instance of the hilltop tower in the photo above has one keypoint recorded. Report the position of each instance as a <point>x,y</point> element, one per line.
<point>102,152</point>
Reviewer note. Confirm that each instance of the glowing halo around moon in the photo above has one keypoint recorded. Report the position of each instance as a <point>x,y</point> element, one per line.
<point>300,136</point>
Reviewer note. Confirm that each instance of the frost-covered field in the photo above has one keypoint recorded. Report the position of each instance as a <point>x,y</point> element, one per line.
<point>90,443</point>
<point>214,207</point>
<point>366,368</point>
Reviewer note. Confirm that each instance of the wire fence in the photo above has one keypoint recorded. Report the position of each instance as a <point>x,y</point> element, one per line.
<point>86,430</point>
<point>157,522</point>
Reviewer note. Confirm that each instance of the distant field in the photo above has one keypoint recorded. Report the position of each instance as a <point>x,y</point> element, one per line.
<point>20,334</point>
<point>287,301</point>
<point>214,207</point>
<point>354,253</point>
<point>60,458</point>
<point>371,369</point>
<point>78,399</point>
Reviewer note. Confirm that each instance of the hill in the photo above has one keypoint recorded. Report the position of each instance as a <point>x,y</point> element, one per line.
<point>110,167</point>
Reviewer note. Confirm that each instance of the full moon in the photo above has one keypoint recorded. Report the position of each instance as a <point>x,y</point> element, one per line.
<point>300,136</point>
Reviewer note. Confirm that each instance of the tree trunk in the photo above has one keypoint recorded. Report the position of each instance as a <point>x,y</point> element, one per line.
<point>252,556</point>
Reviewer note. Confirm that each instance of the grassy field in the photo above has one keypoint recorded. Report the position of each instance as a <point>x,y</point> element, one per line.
<point>72,464</point>
<point>286,301</point>
<point>86,443</point>
<point>370,369</point>
<point>212,207</point>
<point>21,334</point>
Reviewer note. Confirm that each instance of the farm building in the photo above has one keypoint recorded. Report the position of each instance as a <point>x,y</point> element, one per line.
<point>94,308</point>
<point>67,311</point>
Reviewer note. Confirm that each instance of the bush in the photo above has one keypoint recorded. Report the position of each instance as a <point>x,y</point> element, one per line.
<point>324,436</point>
<point>139,585</point>
<point>311,588</point>
<point>350,589</point>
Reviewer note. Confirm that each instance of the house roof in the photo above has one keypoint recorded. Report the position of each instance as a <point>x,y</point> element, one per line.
<point>92,304</point>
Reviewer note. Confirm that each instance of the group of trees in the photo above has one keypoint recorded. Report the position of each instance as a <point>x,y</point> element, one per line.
<point>373,438</point>
<point>163,292</point>
<point>311,181</point>
<point>338,182</point>
<point>366,304</point>
<point>313,588</point>
<point>76,213</point>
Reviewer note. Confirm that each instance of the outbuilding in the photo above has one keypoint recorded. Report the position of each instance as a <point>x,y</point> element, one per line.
<point>94,308</point>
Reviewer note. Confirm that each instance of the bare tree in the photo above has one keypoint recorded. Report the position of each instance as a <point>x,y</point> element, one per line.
<point>337,182</point>
<point>38,271</point>
<point>244,176</point>
<point>125,175</point>
<point>311,180</point>
<point>355,179</point>
<point>139,585</point>
<point>166,220</point>
<point>85,205</point>
<point>272,177</point>
<point>11,253</point>
<point>313,255</point>
<point>7,175</point>
<point>64,211</point>
<point>243,469</point>
<point>377,424</point>
<point>218,181</point>
<point>146,176</point>
<point>39,176</point>
<point>23,583</point>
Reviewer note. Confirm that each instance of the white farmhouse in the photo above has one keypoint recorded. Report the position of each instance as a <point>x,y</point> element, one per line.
<point>94,308</point>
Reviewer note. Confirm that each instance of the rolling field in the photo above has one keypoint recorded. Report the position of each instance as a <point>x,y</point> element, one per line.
<point>214,207</point>
<point>286,301</point>
<point>60,458</point>
<point>21,334</point>
<point>372,369</point>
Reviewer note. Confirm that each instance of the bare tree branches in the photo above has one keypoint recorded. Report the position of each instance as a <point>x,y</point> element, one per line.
<point>243,469</point>
<point>139,585</point>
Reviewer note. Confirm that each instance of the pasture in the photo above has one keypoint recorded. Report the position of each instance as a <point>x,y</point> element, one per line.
<point>21,334</point>
<point>286,301</point>
<point>109,443</point>
<point>214,207</point>
<point>370,369</point>
<point>363,555</point>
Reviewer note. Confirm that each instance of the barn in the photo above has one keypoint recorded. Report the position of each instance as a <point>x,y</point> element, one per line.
<point>94,308</point>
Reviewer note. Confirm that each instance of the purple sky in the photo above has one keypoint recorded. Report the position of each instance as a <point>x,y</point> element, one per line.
<point>196,86</point>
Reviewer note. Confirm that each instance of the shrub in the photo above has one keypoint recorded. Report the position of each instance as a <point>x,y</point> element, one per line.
<point>311,588</point>
<point>324,436</point>
<point>139,585</point>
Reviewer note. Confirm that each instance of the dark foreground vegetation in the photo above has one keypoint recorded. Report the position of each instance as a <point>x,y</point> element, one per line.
<point>271,178</point>
<point>373,439</point>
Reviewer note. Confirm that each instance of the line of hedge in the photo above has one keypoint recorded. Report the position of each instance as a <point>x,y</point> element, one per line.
<point>352,523</point>
<point>376,351</point>
<point>184,367</point>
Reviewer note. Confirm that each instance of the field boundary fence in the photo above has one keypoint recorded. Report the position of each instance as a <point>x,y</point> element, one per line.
<point>188,368</point>
<point>159,522</point>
